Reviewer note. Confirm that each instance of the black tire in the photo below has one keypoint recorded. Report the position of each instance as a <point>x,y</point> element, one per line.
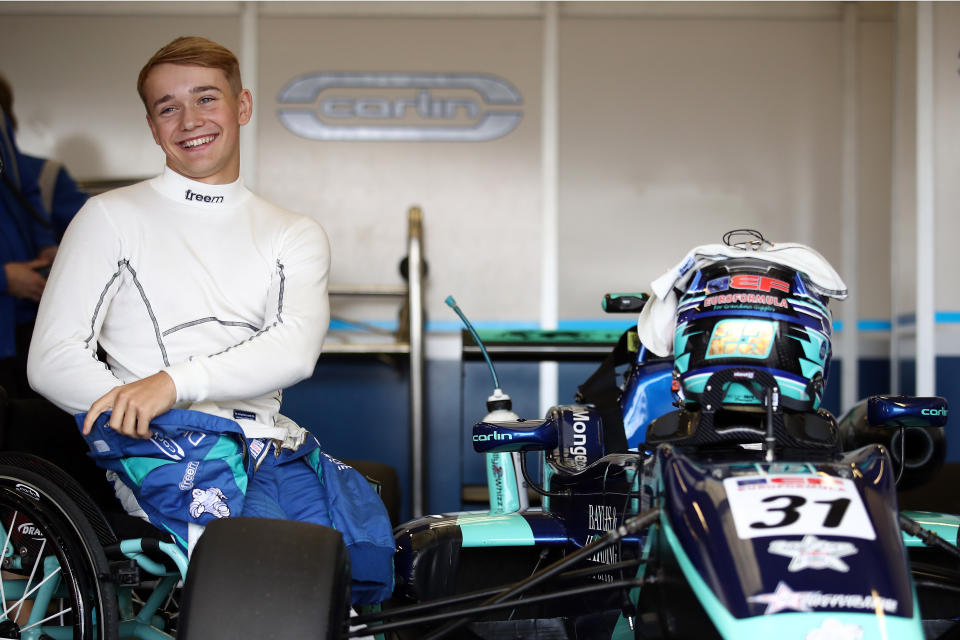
<point>45,526</point>
<point>260,578</point>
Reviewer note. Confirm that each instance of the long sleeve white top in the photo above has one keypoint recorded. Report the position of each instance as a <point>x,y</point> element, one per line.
<point>220,289</point>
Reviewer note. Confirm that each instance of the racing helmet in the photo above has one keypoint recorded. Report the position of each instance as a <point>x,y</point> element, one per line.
<point>747,312</point>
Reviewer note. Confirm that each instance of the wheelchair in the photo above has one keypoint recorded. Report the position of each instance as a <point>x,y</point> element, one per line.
<point>67,574</point>
<point>73,568</point>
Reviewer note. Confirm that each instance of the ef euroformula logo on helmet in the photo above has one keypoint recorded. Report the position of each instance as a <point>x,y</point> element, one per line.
<point>400,107</point>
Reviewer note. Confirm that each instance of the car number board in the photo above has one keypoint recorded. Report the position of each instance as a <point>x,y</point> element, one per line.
<point>785,505</point>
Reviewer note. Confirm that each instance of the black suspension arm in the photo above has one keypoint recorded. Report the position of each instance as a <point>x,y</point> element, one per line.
<point>390,614</point>
<point>629,527</point>
<point>928,537</point>
<point>465,614</point>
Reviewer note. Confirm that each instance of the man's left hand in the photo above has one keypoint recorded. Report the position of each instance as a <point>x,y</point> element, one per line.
<point>134,405</point>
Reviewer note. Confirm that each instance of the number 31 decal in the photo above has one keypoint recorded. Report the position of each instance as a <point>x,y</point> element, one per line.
<point>791,511</point>
<point>787,505</point>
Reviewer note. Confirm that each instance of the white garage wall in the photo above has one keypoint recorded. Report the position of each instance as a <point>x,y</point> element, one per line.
<point>677,121</point>
<point>937,167</point>
<point>480,199</point>
<point>674,131</point>
<point>875,116</point>
<point>946,21</point>
<point>75,82</point>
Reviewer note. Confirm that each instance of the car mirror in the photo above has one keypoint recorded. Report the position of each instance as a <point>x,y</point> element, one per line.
<point>624,302</point>
<point>515,435</point>
<point>907,411</point>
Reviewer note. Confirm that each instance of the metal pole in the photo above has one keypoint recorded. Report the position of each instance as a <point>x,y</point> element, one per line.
<point>850,348</point>
<point>926,215</point>
<point>415,306</point>
<point>896,251</point>
<point>549,230</point>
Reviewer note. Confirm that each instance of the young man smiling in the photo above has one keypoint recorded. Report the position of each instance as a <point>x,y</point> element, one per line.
<point>203,296</point>
<point>195,114</point>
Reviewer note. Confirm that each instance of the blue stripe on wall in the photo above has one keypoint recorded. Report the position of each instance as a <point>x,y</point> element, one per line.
<point>939,317</point>
<point>588,324</point>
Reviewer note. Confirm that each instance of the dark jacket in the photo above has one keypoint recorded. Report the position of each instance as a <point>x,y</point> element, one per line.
<point>23,232</point>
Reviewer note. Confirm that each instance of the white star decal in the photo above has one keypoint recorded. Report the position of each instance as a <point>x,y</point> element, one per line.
<point>783,598</point>
<point>813,553</point>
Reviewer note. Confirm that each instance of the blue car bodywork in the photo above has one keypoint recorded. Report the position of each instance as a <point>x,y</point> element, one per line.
<point>825,557</point>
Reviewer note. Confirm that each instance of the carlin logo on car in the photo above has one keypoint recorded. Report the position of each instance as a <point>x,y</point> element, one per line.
<point>786,599</point>
<point>813,553</point>
<point>29,491</point>
<point>496,435</point>
<point>400,107</point>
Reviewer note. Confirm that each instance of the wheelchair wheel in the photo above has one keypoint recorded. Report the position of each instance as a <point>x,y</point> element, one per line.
<point>276,578</point>
<point>55,574</point>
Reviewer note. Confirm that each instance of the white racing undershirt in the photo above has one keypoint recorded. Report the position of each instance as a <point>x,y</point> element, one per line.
<point>224,291</point>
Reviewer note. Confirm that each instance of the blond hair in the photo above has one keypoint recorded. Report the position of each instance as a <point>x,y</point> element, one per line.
<point>197,51</point>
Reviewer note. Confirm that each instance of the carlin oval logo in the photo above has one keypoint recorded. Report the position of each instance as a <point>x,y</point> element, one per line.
<point>400,107</point>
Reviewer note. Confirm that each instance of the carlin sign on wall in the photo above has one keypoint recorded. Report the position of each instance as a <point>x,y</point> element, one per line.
<point>400,107</point>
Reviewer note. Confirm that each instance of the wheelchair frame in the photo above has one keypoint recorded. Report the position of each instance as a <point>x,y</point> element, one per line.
<point>43,501</point>
<point>69,557</point>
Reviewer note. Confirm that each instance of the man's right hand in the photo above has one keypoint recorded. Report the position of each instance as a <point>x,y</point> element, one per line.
<point>134,405</point>
<point>23,281</point>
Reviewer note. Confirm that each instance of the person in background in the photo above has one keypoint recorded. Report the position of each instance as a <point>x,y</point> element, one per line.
<point>27,248</point>
<point>59,194</point>
<point>28,422</point>
<point>207,301</point>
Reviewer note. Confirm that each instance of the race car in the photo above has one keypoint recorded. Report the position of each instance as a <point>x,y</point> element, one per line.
<point>737,507</point>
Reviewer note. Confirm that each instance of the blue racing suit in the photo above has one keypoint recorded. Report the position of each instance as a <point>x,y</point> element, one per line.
<point>199,466</point>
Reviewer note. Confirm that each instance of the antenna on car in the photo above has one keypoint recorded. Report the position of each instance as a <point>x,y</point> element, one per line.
<point>499,401</point>
<point>507,488</point>
<point>483,350</point>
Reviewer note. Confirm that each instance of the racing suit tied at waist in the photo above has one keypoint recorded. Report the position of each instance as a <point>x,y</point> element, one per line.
<point>199,466</point>
<point>256,425</point>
